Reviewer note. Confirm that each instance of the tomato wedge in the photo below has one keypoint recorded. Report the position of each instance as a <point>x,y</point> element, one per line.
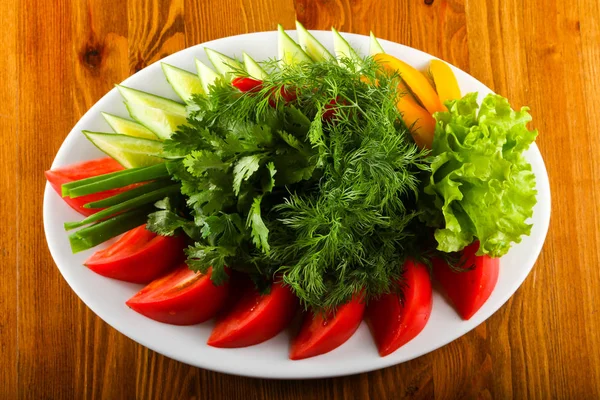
<point>182,297</point>
<point>393,320</point>
<point>139,256</point>
<point>320,335</point>
<point>469,290</point>
<point>87,169</point>
<point>255,318</point>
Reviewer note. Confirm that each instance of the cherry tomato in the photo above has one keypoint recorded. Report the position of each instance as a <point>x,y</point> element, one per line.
<point>245,84</point>
<point>289,94</point>
<point>139,256</point>
<point>319,335</point>
<point>394,320</point>
<point>87,169</point>
<point>255,318</point>
<point>330,110</point>
<point>468,290</point>
<point>182,297</point>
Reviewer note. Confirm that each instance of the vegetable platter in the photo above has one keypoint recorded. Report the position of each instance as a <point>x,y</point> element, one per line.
<point>297,204</point>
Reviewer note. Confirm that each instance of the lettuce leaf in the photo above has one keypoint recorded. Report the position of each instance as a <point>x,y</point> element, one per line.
<point>481,187</point>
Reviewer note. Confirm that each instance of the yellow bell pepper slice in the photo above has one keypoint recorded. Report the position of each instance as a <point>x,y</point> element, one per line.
<point>445,81</point>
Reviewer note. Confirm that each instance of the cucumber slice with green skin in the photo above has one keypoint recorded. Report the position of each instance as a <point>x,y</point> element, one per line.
<point>342,47</point>
<point>161,122</point>
<point>253,68</point>
<point>129,151</point>
<point>183,82</point>
<point>312,46</point>
<point>290,52</point>
<point>224,65</point>
<point>206,74</point>
<point>375,47</point>
<point>128,127</point>
<point>134,96</point>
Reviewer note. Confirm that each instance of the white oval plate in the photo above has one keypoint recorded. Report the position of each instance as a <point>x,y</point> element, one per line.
<point>106,297</point>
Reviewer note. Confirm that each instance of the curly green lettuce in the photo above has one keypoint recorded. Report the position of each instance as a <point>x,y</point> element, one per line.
<point>481,186</point>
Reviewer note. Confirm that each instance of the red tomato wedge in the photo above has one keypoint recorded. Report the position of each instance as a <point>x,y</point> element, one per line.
<point>319,335</point>
<point>470,289</point>
<point>239,283</point>
<point>139,256</point>
<point>255,318</point>
<point>182,297</point>
<point>394,321</point>
<point>87,169</point>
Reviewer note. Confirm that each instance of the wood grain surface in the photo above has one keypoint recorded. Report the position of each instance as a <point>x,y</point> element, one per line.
<point>58,57</point>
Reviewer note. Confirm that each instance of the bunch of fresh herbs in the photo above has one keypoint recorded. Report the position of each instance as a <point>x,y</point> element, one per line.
<point>321,189</point>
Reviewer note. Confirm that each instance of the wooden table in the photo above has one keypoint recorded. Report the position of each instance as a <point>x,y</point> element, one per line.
<point>58,57</point>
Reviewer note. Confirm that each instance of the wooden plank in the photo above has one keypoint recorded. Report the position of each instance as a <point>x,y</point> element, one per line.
<point>553,46</point>
<point>588,24</point>
<point>9,183</point>
<point>213,19</point>
<point>156,29</point>
<point>46,305</point>
<point>99,50</point>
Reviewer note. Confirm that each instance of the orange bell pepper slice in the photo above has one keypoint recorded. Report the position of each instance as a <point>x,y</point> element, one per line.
<point>415,80</point>
<point>418,120</point>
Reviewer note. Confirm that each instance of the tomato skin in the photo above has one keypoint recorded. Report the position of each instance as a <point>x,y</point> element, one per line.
<point>246,84</point>
<point>139,256</point>
<point>394,322</point>
<point>87,169</point>
<point>255,318</point>
<point>469,290</point>
<point>181,297</point>
<point>319,335</point>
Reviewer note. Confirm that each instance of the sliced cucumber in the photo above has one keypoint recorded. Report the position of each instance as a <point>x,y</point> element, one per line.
<point>290,52</point>
<point>128,127</point>
<point>375,47</point>
<point>183,82</point>
<point>129,151</point>
<point>342,47</point>
<point>253,68</point>
<point>161,122</point>
<point>134,96</point>
<point>312,46</point>
<point>207,75</point>
<point>224,65</point>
